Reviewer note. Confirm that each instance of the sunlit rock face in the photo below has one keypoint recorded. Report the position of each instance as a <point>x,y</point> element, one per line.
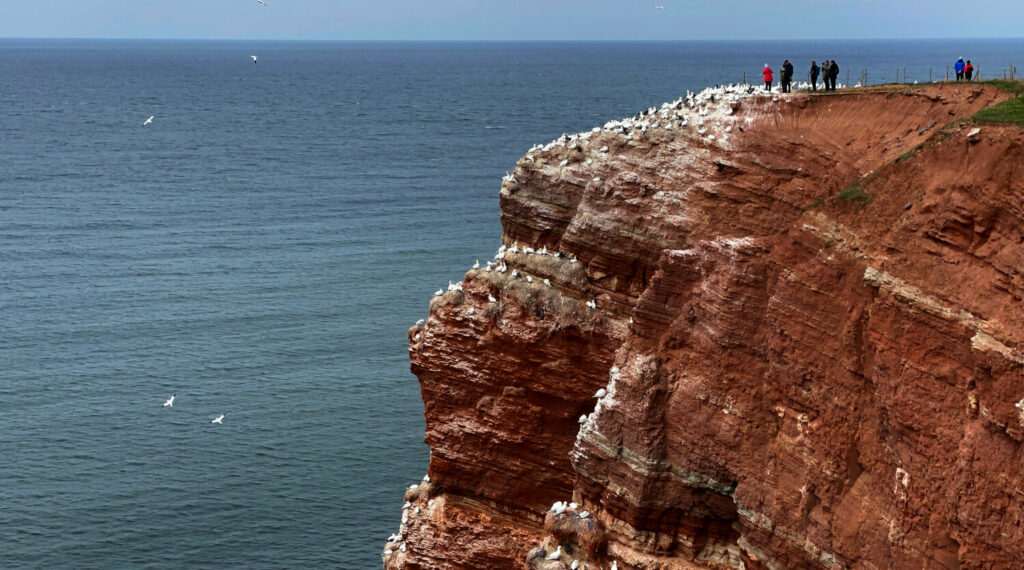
<point>803,318</point>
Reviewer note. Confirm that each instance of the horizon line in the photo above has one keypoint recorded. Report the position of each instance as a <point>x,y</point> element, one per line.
<point>471,40</point>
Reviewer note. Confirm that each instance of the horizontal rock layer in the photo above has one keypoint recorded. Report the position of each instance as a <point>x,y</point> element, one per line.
<point>808,331</point>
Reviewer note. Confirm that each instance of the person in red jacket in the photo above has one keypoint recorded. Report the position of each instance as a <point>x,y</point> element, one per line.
<point>767,72</point>
<point>968,71</point>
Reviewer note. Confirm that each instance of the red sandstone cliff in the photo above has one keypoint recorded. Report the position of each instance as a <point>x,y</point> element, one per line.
<point>810,346</point>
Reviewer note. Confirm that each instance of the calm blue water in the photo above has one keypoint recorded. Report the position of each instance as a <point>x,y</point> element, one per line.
<point>260,250</point>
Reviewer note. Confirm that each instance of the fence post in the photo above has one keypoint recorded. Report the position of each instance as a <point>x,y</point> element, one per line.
<point>947,73</point>
<point>744,77</point>
<point>929,75</point>
<point>904,74</point>
<point>897,76</point>
<point>847,76</point>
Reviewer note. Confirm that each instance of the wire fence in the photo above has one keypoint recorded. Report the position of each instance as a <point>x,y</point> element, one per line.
<point>864,77</point>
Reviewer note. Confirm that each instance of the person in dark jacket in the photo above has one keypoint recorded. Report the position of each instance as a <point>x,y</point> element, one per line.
<point>833,72</point>
<point>787,77</point>
<point>815,70</point>
<point>968,71</point>
<point>825,74</point>
<point>767,73</point>
<point>958,67</point>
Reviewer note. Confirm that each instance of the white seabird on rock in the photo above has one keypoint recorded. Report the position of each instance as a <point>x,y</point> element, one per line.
<point>600,393</point>
<point>556,554</point>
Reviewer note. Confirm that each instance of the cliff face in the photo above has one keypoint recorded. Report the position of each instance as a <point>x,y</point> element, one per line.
<point>805,314</point>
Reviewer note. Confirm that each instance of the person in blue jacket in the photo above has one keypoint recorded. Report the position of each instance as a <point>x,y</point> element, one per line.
<point>959,68</point>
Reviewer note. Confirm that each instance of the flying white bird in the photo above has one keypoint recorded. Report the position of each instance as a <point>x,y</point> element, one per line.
<point>659,7</point>
<point>169,402</point>
<point>254,58</point>
<point>148,121</point>
<point>218,420</point>
<point>263,2</point>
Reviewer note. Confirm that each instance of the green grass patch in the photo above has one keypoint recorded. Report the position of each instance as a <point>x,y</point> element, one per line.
<point>1009,111</point>
<point>1015,87</point>
<point>855,193</point>
<point>908,155</point>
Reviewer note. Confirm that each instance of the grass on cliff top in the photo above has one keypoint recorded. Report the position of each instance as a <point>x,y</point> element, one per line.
<point>1009,111</point>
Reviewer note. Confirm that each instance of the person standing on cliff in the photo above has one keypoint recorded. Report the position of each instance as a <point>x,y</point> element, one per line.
<point>814,75</point>
<point>825,74</point>
<point>968,71</point>
<point>768,78</point>
<point>833,72</point>
<point>958,67</point>
<point>787,77</point>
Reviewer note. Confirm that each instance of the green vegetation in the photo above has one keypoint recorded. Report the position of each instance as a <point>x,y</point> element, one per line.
<point>1015,87</point>
<point>817,203</point>
<point>1009,111</point>
<point>909,154</point>
<point>854,193</point>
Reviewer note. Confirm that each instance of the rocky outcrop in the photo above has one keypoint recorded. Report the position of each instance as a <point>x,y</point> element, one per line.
<point>804,318</point>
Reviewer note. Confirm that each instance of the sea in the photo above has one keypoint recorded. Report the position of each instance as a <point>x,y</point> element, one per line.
<point>259,251</point>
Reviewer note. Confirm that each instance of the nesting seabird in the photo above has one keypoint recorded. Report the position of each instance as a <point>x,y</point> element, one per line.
<point>556,554</point>
<point>600,393</point>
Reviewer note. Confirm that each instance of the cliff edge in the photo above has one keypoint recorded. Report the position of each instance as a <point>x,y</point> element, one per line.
<point>738,331</point>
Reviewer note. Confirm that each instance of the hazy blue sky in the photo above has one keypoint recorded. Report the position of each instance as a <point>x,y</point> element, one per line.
<point>511,19</point>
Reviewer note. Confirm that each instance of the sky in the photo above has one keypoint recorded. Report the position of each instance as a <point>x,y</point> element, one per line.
<point>511,19</point>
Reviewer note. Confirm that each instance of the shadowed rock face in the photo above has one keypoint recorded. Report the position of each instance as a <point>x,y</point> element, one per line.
<point>800,372</point>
